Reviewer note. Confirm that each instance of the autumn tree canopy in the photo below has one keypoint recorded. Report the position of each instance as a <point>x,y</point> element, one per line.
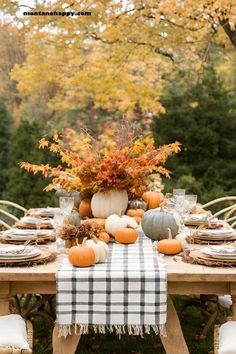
<point>119,57</point>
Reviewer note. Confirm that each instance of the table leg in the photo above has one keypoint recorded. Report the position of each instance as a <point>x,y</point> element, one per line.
<point>4,299</point>
<point>174,342</point>
<point>62,345</point>
<point>233,307</point>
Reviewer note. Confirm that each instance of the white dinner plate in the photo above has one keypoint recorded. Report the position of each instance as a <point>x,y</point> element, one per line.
<point>215,233</point>
<point>23,233</point>
<point>20,255</point>
<point>219,256</point>
<point>196,217</point>
<point>220,251</point>
<point>216,238</point>
<point>43,211</point>
<point>34,221</point>
<point>14,251</point>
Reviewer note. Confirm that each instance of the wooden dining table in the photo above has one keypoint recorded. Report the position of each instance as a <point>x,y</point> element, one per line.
<point>183,279</point>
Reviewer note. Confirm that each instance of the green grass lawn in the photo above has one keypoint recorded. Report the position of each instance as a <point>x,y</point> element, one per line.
<point>192,321</point>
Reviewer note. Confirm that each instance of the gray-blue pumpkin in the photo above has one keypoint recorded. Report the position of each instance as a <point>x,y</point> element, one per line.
<point>155,224</point>
<point>137,204</point>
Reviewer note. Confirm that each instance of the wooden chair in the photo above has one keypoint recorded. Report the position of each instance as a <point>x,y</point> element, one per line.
<point>216,338</point>
<point>7,215</point>
<point>226,212</point>
<point>224,337</point>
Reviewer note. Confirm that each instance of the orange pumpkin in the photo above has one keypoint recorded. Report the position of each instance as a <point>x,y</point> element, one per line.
<point>100,222</point>
<point>135,212</point>
<point>126,235</point>
<point>81,255</point>
<point>85,208</point>
<point>153,199</point>
<point>104,236</point>
<point>169,246</point>
<point>138,219</point>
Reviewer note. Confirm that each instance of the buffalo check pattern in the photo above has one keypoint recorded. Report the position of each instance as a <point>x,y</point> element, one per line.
<point>127,294</point>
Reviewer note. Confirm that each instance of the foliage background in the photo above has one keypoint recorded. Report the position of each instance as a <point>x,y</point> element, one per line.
<point>168,66</point>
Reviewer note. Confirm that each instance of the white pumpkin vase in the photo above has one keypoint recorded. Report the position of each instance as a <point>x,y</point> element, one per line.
<point>104,204</point>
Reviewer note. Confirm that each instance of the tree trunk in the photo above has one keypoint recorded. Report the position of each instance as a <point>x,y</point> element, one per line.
<point>230,33</point>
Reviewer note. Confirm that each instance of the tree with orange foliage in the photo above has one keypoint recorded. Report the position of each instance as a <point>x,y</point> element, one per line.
<point>117,59</point>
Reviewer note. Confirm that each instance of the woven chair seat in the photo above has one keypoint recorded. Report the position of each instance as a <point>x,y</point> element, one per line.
<point>224,337</point>
<point>216,338</point>
<point>10,350</point>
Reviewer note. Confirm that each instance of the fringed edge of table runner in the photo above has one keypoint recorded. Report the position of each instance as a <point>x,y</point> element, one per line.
<point>135,330</point>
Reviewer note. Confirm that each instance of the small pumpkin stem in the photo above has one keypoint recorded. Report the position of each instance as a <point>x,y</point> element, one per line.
<point>94,238</point>
<point>120,213</point>
<point>130,227</point>
<point>163,204</point>
<point>169,234</point>
<point>84,242</point>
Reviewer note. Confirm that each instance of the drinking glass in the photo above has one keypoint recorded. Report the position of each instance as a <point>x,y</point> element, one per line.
<point>177,192</point>
<point>190,202</point>
<point>38,222</point>
<point>58,219</point>
<point>66,204</point>
<point>179,204</point>
<point>169,200</point>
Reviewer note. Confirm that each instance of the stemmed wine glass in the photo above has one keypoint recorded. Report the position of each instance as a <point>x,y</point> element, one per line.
<point>57,219</point>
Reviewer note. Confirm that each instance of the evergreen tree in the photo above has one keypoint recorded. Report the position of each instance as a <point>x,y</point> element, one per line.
<point>203,119</point>
<point>5,133</point>
<point>23,187</point>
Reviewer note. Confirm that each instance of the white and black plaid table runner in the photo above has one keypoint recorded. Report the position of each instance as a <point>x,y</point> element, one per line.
<point>127,294</point>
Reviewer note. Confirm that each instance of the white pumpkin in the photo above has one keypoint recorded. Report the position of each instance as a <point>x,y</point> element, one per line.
<point>116,222</point>
<point>100,248</point>
<point>104,204</point>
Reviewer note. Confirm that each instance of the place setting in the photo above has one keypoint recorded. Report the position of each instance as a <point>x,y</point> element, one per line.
<point>17,236</point>
<point>24,255</point>
<point>213,255</point>
<point>48,212</point>
<point>212,236</point>
<point>31,222</point>
<point>193,219</point>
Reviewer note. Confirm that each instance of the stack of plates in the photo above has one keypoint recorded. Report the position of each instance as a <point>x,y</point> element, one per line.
<point>199,219</point>
<point>48,212</point>
<point>18,252</point>
<point>29,222</point>
<point>222,252</point>
<point>213,236</point>
<point>21,235</point>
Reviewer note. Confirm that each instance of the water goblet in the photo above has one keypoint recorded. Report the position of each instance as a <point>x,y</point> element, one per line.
<point>169,201</point>
<point>58,219</point>
<point>179,204</point>
<point>66,204</point>
<point>57,222</point>
<point>177,192</point>
<point>190,202</point>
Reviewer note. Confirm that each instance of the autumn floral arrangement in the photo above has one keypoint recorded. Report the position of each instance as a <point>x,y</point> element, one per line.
<point>122,161</point>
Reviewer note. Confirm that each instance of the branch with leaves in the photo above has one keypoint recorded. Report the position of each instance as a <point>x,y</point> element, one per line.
<point>92,165</point>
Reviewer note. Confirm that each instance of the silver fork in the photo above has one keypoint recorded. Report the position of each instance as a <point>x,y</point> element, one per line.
<point>26,243</point>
